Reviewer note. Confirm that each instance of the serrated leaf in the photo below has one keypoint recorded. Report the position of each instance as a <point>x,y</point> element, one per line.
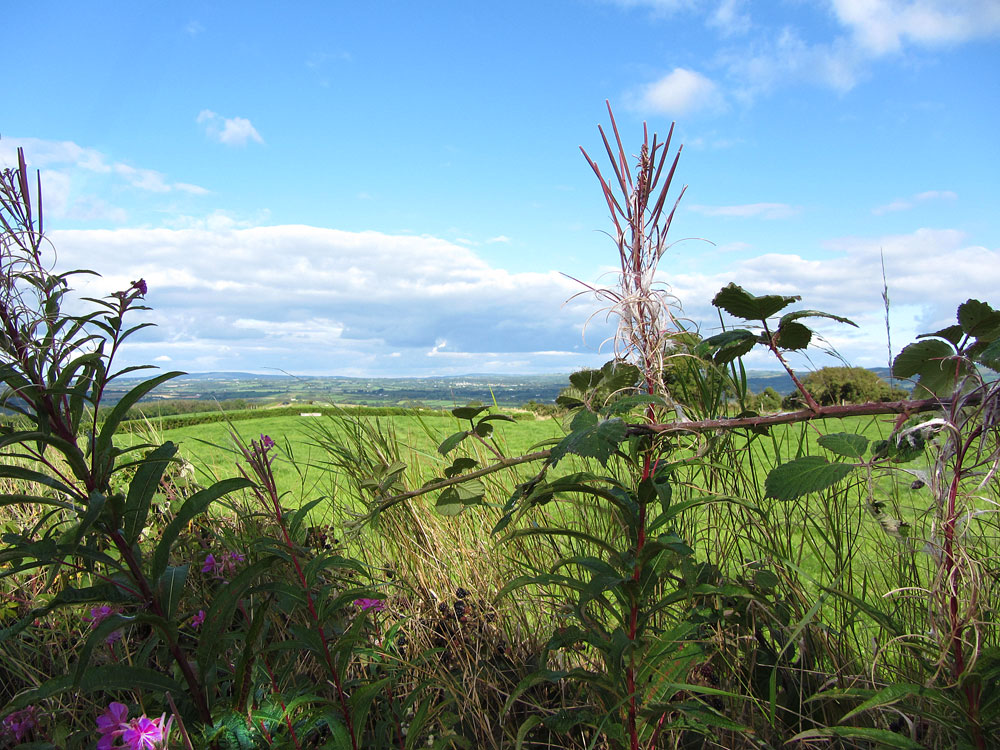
<point>990,356</point>
<point>598,440</point>
<point>979,320</point>
<point>932,360</point>
<point>804,475</point>
<point>793,336</point>
<point>729,345</point>
<point>584,380</point>
<point>953,334</point>
<point>847,444</point>
<point>789,317</point>
<point>739,303</point>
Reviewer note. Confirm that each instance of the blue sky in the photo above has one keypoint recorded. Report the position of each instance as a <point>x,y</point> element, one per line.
<point>396,188</point>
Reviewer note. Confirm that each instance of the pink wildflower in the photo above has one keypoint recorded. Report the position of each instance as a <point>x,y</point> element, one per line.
<point>198,619</point>
<point>143,734</point>
<point>111,724</point>
<point>375,605</point>
<point>210,565</point>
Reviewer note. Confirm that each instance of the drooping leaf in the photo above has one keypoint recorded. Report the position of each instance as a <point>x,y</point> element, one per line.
<point>739,303</point>
<point>468,412</point>
<point>789,317</point>
<point>801,476</point>
<point>883,737</point>
<point>952,334</point>
<point>728,345</point>
<point>847,444</point>
<point>793,336</point>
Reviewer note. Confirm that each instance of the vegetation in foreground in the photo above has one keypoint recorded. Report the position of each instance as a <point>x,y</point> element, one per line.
<point>675,571</point>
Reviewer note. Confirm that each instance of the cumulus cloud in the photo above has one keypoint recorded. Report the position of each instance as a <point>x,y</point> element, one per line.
<point>680,92</point>
<point>849,283</point>
<point>903,204</point>
<point>231,131</point>
<point>748,210</point>
<point>309,299</point>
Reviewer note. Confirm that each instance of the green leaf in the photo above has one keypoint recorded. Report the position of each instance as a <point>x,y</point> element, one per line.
<point>882,736</point>
<point>107,677</point>
<point>453,500</point>
<point>193,506</point>
<point>110,427</point>
<point>729,345</point>
<point>804,475</point>
<point>979,320</point>
<point>451,442</point>
<point>846,444</point>
<point>460,466</point>
<point>789,317</point>
<point>952,334</point>
<point>599,440</point>
<point>584,380</point>
<point>793,336</point>
<point>170,586</point>
<point>142,488</point>
<point>739,303</point>
<point>932,360</point>
<point>468,412</point>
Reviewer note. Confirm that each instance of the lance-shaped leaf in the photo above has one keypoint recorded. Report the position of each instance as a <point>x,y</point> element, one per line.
<point>798,314</point>
<point>143,487</point>
<point>739,303</point>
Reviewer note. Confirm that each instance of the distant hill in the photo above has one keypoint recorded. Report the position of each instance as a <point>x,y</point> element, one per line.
<point>506,390</point>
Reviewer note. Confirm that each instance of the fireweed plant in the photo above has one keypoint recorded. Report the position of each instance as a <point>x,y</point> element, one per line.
<point>666,645</point>
<point>173,624</point>
<point>839,593</point>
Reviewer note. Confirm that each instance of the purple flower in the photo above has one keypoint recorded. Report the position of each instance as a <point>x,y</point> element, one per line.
<point>19,723</point>
<point>375,605</point>
<point>222,566</point>
<point>210,565</point>
<point>198,619</point>
<point>140,286</point>
<point>143,734</point>
<point>111,725</point>
<point>99,615</point>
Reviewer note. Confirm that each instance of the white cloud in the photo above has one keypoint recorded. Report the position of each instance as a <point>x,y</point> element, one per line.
<point>498,238</point>
<point>730,18</point>
<point>194,28</point>
<point>680,92</point>
<point>231,131</point>
<point>73,178</point>
<point>850,284</point>
<point>305,298</point>
<point>881,27</point>
<point>903,204</point>
<point>748,210</point>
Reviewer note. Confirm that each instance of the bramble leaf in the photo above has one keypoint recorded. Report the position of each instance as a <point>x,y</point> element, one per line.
<point>793,336</point>
<point>846,444</point>
<point>804,475</point>
<point>739,303</point>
